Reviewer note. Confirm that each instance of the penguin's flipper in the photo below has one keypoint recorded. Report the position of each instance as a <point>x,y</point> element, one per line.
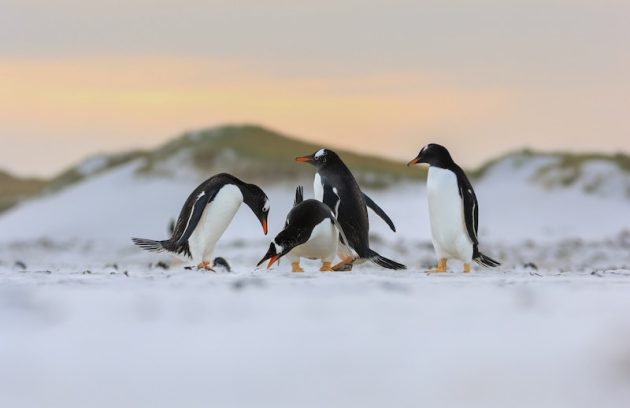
<point>331,199</point>
<point>195,215</point>
<point>384,262</point>
<point>379,211</point>
<point>469,206</point>
<point>299,195</point>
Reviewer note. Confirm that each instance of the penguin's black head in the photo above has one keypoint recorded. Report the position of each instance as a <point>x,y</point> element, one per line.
<point>271,254</point>
<point>434,155</point>
<point>319,159</point>
<point>277,249</point>
<point>257,200</point>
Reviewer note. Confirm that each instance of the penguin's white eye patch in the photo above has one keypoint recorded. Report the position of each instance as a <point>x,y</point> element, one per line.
<point>266,207</point>
<point>320,153</point>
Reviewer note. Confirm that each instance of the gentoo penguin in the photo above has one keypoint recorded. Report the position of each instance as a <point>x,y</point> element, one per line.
<point>453,210</point>
<point>205,216</point>
<point>336,187</point>
<point>311,231</point>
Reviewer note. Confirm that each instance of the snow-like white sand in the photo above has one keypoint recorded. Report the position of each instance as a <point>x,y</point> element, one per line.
<point>253,338</point>
<point>87,321</point>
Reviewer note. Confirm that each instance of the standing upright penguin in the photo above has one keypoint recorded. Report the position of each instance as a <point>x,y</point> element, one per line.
<point>336,187</point>
<point>206,214</point>
<point>453,210</point>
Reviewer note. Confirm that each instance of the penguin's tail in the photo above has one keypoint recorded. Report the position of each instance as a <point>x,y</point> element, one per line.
<point>299,195</point>
<point>384,262</point>
<point>486,261</point>
<point>150,245</point>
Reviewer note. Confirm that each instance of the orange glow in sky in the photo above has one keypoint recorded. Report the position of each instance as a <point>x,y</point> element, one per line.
<point>81,79</point>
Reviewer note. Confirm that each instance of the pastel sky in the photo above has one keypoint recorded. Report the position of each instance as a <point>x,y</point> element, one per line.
<point>386,76</point>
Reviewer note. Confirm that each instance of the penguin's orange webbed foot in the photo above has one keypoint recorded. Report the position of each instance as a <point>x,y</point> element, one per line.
<point>295,267</point>
<point>326,267</point>
<point>205,265</point>
<point>441,268</point>
<point>344,266</point>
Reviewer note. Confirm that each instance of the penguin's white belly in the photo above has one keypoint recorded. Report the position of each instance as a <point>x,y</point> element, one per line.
<point>318,188</point>
<point>214,221</point>
<point>322,243</point>
<point>448,227</point>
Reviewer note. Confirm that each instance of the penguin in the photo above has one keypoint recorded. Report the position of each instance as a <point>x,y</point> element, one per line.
<point>453,210</point>
<point>311,231</point>
<point>206,215</point>
<point>220,262</point>
<point>336,187</point>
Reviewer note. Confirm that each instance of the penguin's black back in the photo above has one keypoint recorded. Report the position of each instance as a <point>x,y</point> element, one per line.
<point>308,213</point>
<point>210,187</point>
<point>176,243</point>
<point>301,221</point>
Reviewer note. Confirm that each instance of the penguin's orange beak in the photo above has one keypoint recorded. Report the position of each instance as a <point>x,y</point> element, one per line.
<point>304,159</point>
<point>414,161</point>
<point>270,254</point>
<point>264,223</point>
<point>273,260</point>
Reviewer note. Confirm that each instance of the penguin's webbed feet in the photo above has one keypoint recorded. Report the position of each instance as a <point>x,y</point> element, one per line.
<point>345,265</point>
<point>202,266</point>
<point>295,267</point>
<point>441,267</point>
<point>326,267</point>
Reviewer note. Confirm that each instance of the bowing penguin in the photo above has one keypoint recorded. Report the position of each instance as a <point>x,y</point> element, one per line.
<point>336,187</point>
<point>453,210</point>
<point>311,231</point>
<point>206,215</point>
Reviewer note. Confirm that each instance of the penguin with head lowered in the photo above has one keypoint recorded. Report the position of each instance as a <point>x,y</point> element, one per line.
<point>311,231</point>
<point>336,187</point>
<point>206,215</point>
<point>453,210</point>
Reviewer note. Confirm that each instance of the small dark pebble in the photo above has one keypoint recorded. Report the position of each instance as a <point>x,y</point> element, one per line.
<point>126,273</point>
<point>45,272</point>
<point>221,262</point>
<point>19,265</point>
<point>162,265</point>
<point>87,272</point>
<point>241,284</point>
<point>530,265</point>
<point>395,287</point>
<point>596,273</point>
<point>114,266</point>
